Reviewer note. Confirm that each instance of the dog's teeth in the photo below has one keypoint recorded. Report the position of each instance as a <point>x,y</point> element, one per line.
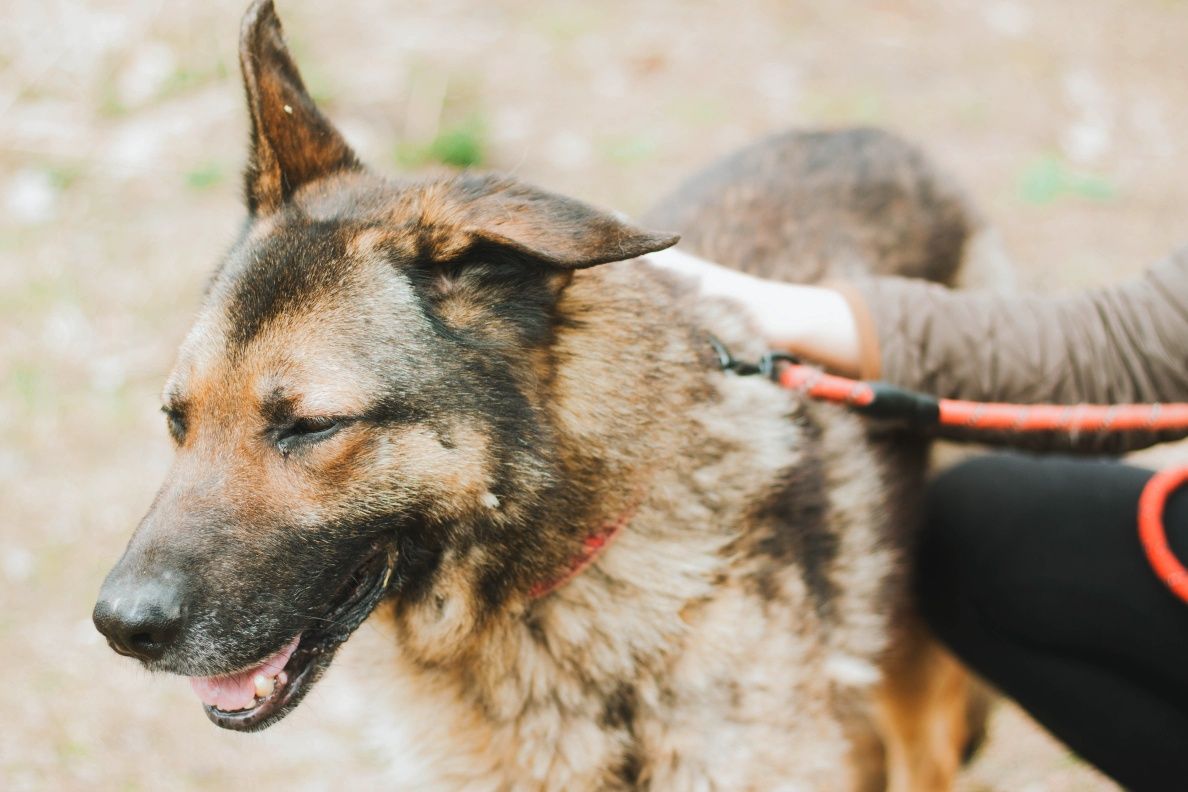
<point>282,678</point>
<point>264,685</point>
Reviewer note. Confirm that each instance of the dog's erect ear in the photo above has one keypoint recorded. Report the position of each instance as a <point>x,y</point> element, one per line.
<point>555,230</point>
<point>292,143</point>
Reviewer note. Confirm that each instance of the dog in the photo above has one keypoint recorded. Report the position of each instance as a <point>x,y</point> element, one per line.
<point>470,411</point>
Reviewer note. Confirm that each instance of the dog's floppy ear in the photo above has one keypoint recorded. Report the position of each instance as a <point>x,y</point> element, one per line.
<point>555,230</point>
<point>292,142</point>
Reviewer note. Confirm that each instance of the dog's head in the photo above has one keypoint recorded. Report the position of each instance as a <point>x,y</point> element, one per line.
<point>358,399</point>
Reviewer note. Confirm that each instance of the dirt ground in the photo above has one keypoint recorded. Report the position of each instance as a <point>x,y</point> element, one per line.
<point>121,137</point>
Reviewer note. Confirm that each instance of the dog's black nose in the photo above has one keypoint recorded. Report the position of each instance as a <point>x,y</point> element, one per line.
<point>140,619</point>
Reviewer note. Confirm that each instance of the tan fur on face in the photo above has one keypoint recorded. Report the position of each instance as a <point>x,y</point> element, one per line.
<point>455,476</point>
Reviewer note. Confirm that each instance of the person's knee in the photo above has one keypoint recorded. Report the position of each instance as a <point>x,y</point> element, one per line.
<point>972,490</point>
<point>962,533</point>
<point>995,523</point>
<point>969,505</point>
<point>958,503</point>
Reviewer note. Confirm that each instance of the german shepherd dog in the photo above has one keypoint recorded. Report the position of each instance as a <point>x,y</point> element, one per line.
<point>471,411</point>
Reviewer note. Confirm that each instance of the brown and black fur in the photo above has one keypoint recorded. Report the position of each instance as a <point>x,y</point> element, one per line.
<point>495,397</point>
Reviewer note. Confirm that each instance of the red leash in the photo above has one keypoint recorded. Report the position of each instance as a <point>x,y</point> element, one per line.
<point>887,401</point>
<point>880,400</point>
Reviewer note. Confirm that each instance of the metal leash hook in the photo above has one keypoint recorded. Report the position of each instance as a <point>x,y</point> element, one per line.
<point>766,366</point>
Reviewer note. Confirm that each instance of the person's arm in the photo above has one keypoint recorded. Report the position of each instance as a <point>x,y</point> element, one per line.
<point>1123,344</point>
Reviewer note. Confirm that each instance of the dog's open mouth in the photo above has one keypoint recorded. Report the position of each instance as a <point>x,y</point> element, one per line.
<point>257,697</point>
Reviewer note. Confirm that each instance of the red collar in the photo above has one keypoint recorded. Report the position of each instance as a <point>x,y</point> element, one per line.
<point>592,547</point>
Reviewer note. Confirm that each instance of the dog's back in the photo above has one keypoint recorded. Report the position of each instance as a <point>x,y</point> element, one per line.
<point>807,206</point>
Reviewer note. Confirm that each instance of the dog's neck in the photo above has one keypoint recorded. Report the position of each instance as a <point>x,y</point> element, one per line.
<point>593,546</point>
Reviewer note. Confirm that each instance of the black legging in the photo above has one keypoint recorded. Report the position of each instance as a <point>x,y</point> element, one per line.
<point>1032,572</point>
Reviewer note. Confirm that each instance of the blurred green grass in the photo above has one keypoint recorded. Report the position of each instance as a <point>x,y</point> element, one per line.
<point>1050,178</point>
<point>462,145</point>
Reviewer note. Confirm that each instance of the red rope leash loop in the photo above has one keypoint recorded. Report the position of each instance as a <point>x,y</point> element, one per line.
<point>1153,532</point>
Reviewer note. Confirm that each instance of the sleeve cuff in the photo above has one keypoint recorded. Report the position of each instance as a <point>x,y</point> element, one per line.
<point>869,354</point>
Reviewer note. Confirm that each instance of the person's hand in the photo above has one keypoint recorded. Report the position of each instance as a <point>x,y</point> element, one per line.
<point>809,321</point>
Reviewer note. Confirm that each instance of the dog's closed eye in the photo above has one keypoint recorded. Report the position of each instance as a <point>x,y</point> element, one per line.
<point>176,421</point>
<point>306,431</point>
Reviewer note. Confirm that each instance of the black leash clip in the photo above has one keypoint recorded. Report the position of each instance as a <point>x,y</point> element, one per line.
<point>767,366</point>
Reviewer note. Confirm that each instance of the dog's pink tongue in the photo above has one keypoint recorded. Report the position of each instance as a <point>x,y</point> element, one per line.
<point>238,691</point>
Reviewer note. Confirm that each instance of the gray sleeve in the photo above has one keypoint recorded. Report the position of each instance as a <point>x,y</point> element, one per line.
<point>1127,343</point>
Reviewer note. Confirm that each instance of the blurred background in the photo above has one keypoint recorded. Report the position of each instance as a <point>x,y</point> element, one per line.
<point>122,132</point>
